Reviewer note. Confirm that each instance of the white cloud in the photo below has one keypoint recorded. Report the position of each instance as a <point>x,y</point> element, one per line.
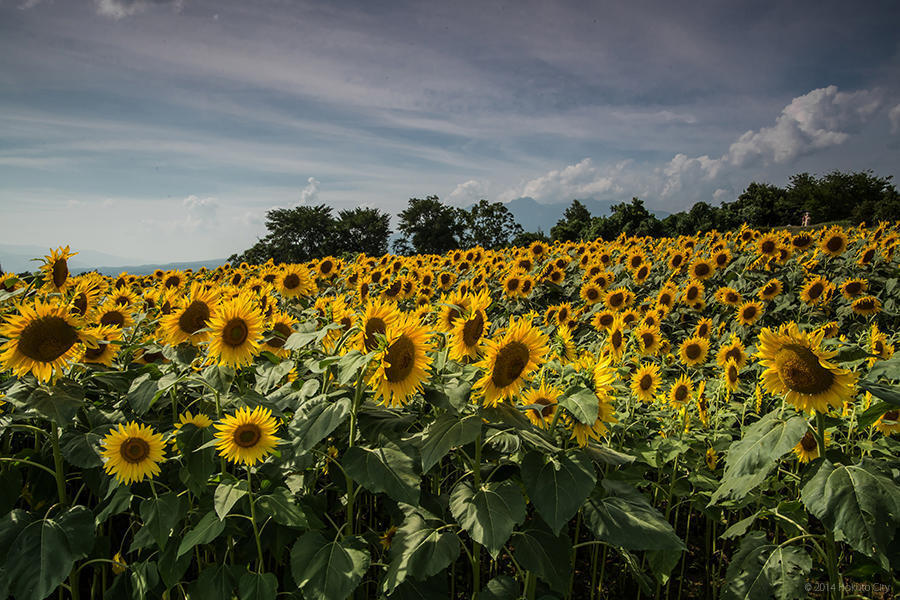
<point>119,9</point>
<point>468,192</point>
<point>581,180</point>
<point>894,116</point>
<point>310,194</point>
<point>819,119</point>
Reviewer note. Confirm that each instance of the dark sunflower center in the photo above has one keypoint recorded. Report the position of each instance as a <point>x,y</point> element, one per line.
<point>269,277</point>
<point>768,247</point>
<point>802,240</point>
<point>394,289</point>
<point>646,382</point>
<point>677,260</point>
<point>834,244</point>
<point>235,332</point>
<point>194,317</point>
<point>692,293</point>
<point>891,415</point>
<point>94,353</point>
<point>665,299</point>
<point>513,284</point>
<point>236,279</point>
<point>46,339</point>
<point>853,288</point>
<point>809,442</point>
<point>606,319</point>
<point>732,373</point>
<point>749,312</point>
<point>731,296</point>
<point>80,304</point>
<point>509,364</point>
<point>721,259</point>
<point>473,329</point>
<point>134,450</point>
<point>616,338</point>
<point>563,315</point>
<point>868,255</point>
<point>681,393</point>
<point>60,272</point>
<point>526,286</point>
<point>373,325</point>
<point>693,351</point>
<point>401,358</point>
<point>122,301</point>
<point>701,270</point>
<point>173,281</point>
<point>247,435</point>
<point>616,299</point>
<point>734,353</point>
<point>816,290</point>
<point>801,370</point>
<point>866,304</point>
<point>292,281</point>
<point>547,409</point>
<point>703,330</point>
<point>770,289</point>
<point>648,339</point>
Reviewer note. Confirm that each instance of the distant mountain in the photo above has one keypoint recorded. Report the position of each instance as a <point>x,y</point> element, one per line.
<point>533,215</point>
<point>147,269</point>
<point>18,258</point>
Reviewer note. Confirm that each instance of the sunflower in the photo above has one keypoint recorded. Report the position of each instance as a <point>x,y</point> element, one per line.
<point>56,270</point>
<point>801,241</point>
<point>402,363</point>
<point>701,269</point>
<point>889,422</point>
<point>703,328</point>
<point>85,297</point>
<point>468,331</point>
<point>681,391</point>
<point>281,326</point>
<point>767,245</point>
<point>733,350</point>
<point>510,360</point>
<point>667,296</point>
<point>648,338</point>
<point>731,375</point>
<point>797,366</point>
<point>546,398</point>
<point>247,436</point>
<point>770,290</point>
<point>105,350</point>
<point>852,288</point>
<point>42,340</point>
<point>616,340</point>
<point>582,432</point>
<point>199,420</point>
<point>867,255</point>
<point>295,280</point>
<point>834,242</point>
<point>453,306</point>
<point>693,293</point>
<point>132,452</point>
<point>866,306</point>
<point>807,449</point>
<point>173,279</point>
<point>712,459</point>
<point>618,298</point>
<point>879,346</point>
<point>749,313</point>
<point>645,381</point>
<point>591,293</point>
<point>603,320</point>
<point>562,344</point>
<point>816,291</point>
<point>564,314</point>
<point>188,322</point>
<point>236,329</point>
<point>116,316</point>
<point>728,296</point>
<point>693,351</point>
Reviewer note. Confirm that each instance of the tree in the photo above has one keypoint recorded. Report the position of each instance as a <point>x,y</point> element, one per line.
<point>295,235</point>
<point>490,225</point>
<point>527,237</point>
<point>858,197</point>
<point>574,225</point>
<point>631,219</point>
<point>431,227</point>
<point>364,230</point>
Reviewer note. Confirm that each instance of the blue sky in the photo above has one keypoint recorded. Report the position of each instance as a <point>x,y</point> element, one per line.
<point>163,130</point>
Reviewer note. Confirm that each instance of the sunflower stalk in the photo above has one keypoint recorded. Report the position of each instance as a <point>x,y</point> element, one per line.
<point>259,552</point>
<point>830,546</point>
<point>476,547</point>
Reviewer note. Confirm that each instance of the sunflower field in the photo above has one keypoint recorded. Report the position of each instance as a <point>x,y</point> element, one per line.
<point>711,416</point>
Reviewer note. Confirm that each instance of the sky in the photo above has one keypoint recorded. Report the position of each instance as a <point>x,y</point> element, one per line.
<point>163,130</point>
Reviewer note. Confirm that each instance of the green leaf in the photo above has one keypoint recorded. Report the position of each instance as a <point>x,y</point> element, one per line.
<point>887,393</point>
<point>218,377</point>
<point>208,529</point>
<point>624,517</point>
<point>315,419</point>
<point>887,369</point>
<point>386,469</point>
<point>281,506</point>
<point>750,459</point>
<point>328,570</point>
<point>559,486</point>
<point>199,460</point>
<point>227,494</point>
<point>760,570</point>
<point>446,432</point>
<point>739,528</point>
<point>583,404</point>
<point>269,375</point>
<point>171,566</point>
<point>860,504</point>
<point>160,515</point>
<point>488,514</point>
<point>502,587</point>
<point>411,589</point>
<point>59,403</point>
<point>540,551</point>
<point>119,503</point>
<point>214,582</point>
<point>350,364</point>
<point>872,414</point>
<point>419,550</point>
<point>81,448</point>
<point>258,586</point>
<point>143,393</point>
<point>299,340</point>
<point>45,551</point>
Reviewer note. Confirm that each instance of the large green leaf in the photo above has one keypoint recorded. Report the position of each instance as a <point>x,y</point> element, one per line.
<point>489,513</point>
<point>540,551</point>
<point>218,377</point>
<point>268,375</point>
<point>45,551</point>
<point>583,404</point>
<point>208,529</point>
<point>559,486</point>
<point>889,394</point>
<point>199,458</point>
<point>446,432</point>
<point>315,419</point>
<point>79,448</point>
<point>329,570</point>
<point>419,550</point>
<point>860,504</point>
<point>624,517</point>
<point>385,469</point>
<point>750,459</point>
<point>143,393</point>
<point>59,403</point>
<point>227,494</point>
<point>161,515</point>
<point>258,586</point>
<point>281,506</point>
<point>171,566</point>
<point>761,570</point>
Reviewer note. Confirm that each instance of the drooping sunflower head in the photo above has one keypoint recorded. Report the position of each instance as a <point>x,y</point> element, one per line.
<point>510,360</point>
<point>852,288</point>
<point>376,318</point>
<point>733,350</point>
<point>648,338</point>
<point>543,402</point>
<point>799,368</point>
<point>132,452</point>
<point>247,436</point>
<point>731,375</point>
<point>42,340</point>
<point>816,291</point>
<point>236,329</point>
<point>402,364</point>
<point>281,326</point>
<point>199,420</point>
<point>770,290</point>
<point>866,306</point>
<point>467,333</point>
<point>807,449</point>
<point>56,270</point>
<point>105,350</point>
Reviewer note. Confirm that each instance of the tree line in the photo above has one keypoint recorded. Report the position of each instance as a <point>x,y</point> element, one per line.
<point>428,226</point>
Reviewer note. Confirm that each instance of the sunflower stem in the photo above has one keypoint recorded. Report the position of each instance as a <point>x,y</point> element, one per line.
<point>476,547</point>
<point>830,546</point>
<point>357,397</point>
<point>259,553</point>
<point>58,464</point>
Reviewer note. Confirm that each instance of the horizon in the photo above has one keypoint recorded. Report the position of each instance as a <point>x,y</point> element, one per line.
<point>166,129</point>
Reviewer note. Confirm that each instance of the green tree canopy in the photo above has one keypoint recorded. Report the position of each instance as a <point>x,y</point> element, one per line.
<point>490,225</point>
<point>574,225</point>
<point>431,227</point>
